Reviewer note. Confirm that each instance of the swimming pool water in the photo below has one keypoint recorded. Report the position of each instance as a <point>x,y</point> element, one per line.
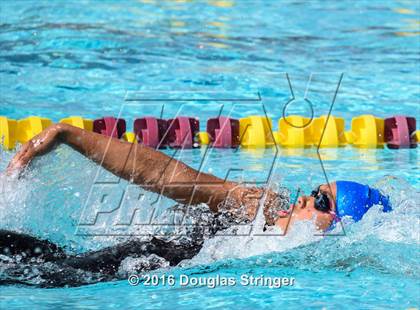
<point>91,58</point>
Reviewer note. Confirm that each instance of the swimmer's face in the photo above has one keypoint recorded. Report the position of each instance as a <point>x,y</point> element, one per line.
<point>304,209</point>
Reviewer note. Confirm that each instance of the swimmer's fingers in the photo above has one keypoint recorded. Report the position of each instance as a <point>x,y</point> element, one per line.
<point>22,158</point>
<point>38,145</point>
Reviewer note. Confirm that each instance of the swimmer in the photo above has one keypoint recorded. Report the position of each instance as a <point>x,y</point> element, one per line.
<point>159,173</point>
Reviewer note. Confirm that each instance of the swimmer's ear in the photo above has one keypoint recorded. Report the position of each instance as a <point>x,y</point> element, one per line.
<point>323,221</point>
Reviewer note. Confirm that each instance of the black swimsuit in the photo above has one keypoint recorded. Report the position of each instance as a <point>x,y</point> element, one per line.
<point>90,267</point>
<point>27,260</point>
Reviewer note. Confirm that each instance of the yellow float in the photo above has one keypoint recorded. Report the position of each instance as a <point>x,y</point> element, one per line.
<point>367,131</point>
<point>78,121</point>
<point>416,135</point>
<point>203,138</point>
<point>8,129</point>
<point>29,127</point>
<point>255,132</point>
<point>129,137</point>
<point>294,131</point>
<point>333,134</point>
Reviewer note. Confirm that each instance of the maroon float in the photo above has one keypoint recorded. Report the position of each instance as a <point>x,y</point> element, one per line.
<point>110,126</point>
<point>182,131</point>
<point>398,132</point>
<point>151,131</point>
<point>223,132</point>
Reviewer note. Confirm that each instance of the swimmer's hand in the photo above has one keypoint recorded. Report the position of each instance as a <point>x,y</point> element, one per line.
<point>38,145</point>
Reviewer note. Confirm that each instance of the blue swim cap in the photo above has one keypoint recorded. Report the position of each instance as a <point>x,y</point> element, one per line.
<point>355,199</point>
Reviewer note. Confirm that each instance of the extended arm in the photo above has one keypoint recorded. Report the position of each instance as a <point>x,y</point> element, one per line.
<point>142,165</point>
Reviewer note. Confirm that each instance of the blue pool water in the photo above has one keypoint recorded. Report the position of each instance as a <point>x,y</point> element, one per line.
<point>93,58</point>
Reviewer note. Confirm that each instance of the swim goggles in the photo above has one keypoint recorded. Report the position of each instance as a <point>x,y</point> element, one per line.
<point>322,202</point>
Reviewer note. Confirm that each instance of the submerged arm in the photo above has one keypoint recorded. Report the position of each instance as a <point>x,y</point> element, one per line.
<point>151,169</point>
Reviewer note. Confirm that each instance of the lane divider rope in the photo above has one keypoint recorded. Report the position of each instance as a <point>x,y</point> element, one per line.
<point>295,131</point>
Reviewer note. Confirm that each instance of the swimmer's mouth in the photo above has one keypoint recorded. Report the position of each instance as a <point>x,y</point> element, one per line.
<point>285,213</point>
